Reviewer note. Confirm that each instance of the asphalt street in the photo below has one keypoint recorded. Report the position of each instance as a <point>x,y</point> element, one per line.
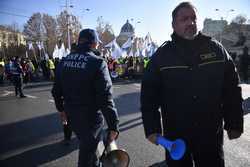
<point>31,131</point>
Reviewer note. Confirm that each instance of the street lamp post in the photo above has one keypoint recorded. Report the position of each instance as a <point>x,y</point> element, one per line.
<point>68,22</point>
<point>85,10</point>
<point>227,13</point>
<point>231,10</point>
<point>137,22</point>
<point>67,6</point>
<point>68,32</point>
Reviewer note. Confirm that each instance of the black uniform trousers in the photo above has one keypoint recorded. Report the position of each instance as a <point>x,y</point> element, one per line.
<point>18,83</point>
<point>204,150</point>
<point>88,137</point>
<point>67,130</point>
<point>87,151</point>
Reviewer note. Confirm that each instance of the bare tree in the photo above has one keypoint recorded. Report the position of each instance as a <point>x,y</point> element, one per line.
<point>34,29</point>
<point>14,27</point>
<point>75,28</point>
<point>239,22</point>
<point>105,31</point>
<point>100,24</point>
<point>240,19</point>
<point>50,26</point>
<point>62,22</point>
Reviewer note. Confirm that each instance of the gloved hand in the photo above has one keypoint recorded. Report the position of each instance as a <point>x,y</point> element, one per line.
<point>64,118</point>
<point>113,135</point>
<point>152,138</point>
<point>233,134</point>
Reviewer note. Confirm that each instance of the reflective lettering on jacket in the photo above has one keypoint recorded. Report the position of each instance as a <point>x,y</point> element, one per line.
<point>74,64</point>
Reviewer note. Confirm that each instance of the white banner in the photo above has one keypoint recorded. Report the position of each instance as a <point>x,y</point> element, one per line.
<point>128,43</point>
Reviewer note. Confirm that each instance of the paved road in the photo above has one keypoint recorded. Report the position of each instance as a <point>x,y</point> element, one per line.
<point>31,132</point>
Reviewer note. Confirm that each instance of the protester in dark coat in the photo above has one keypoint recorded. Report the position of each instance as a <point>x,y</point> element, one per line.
<point>17,77</point>
<point>194,82</point>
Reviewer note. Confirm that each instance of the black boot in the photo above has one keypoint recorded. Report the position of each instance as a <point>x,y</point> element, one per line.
<point>67,134</point>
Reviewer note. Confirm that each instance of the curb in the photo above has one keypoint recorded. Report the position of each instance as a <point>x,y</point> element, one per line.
<point>34,85</point>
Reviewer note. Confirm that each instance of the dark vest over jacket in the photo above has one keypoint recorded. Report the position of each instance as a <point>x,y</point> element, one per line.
<point>83,89</point>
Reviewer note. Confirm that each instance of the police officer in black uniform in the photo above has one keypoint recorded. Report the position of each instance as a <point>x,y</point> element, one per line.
<point>195,83</point>
<point>17,77</point>
<point>66,123</point>
<point>83,94</point>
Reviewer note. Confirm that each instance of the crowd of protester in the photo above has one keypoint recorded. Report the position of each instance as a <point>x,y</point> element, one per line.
<point>30,69</point>
<point>121,68</point>
<point>126,68</point>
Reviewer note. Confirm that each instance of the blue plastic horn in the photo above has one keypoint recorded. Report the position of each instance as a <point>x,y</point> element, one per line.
<point>176,148</point>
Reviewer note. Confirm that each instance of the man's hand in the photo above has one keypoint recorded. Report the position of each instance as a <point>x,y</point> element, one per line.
<point>63,117</point>
<point>233,134</point>
<point>112,135</point>
<point>152,138</point>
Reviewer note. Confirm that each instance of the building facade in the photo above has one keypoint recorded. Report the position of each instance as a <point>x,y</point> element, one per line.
<point>213,27</point>
<point>233,36</point>
<point>127,31</point>
<point>8,37</point>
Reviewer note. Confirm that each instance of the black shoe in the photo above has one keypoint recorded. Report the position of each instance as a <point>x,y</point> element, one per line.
<point>22,96</point>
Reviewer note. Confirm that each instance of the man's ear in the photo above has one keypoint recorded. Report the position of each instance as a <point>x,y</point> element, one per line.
<point>94,45</point>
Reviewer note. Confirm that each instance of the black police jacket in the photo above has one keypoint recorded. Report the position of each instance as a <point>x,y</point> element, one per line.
<point>83,88</point>
<point>195,84</point>
<point>16,69</point>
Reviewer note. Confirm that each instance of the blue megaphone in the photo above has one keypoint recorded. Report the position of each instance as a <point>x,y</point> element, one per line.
<point>176,148</point>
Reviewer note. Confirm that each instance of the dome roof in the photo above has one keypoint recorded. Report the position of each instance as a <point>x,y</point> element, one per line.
<point>127,28</point>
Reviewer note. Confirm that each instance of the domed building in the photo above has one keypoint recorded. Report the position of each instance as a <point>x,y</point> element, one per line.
<point>126,32</point>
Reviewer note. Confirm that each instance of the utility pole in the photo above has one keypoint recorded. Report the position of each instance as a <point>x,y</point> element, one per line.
<point>134,23</point>
<point>68,33</point>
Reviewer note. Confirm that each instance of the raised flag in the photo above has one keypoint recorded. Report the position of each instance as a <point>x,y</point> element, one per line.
<point>116,51</point>
<point>30,46</point>
<point>128,43</point>
<point>56,52</point>
<point>39,45</point>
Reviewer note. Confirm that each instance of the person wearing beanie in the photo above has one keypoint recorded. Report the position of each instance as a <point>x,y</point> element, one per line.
<point>83,94</point>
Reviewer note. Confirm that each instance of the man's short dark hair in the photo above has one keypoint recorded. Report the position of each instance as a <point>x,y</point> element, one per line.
<point>181,5</point>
